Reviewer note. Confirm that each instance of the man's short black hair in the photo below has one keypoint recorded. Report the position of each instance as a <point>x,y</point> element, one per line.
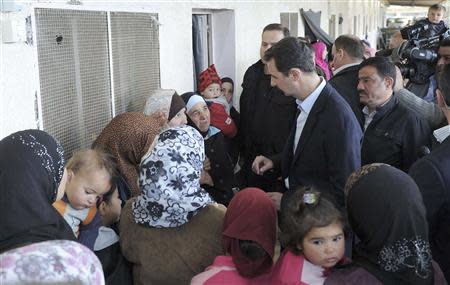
<point>290,53</point>
<point>444,83</point>
<point>384,67</point>
<point>277,27</point>
<point>352,45</point>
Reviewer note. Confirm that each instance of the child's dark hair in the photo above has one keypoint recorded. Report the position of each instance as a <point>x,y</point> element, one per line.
<point>252,249</point>
<point>92,159</point>
<point>306,210</point>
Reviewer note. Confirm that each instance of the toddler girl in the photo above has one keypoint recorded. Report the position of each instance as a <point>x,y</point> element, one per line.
<point>312,231</point>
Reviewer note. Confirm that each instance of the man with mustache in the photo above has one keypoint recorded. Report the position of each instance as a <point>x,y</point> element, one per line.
<point>393,134</point>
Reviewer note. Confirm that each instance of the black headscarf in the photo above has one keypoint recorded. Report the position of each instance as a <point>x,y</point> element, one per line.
<point>31,168</point>
<point>386,211</point>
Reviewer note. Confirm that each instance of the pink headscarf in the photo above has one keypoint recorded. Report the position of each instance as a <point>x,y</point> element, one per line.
<point>319,47</point>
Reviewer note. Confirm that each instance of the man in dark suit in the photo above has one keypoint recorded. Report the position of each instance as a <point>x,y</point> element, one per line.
<point>348,53</point>
<point>324,145</point>
<point>266,115</point>
<point>432,175</point>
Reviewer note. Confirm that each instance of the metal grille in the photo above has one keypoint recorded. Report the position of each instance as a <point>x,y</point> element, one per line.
<point>135,57</point>
<point>74,74</point>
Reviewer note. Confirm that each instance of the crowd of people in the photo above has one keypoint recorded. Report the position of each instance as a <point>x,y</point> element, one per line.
<point>325,176</point>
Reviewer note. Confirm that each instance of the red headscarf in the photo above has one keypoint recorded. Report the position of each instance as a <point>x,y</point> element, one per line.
<point>252,216</point>
<point>208,77</point>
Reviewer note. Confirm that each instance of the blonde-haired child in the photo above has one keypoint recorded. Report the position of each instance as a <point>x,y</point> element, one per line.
<point>89,174</point>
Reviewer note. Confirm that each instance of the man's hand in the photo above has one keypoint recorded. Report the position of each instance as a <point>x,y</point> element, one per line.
<point>275,197</point>
<point>261,164</point>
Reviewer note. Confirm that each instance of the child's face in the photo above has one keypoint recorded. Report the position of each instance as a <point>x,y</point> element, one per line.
<point>179,119</point>
<point>435,16</point>
<point>110,211</point>
<point>212,91</point>
<point>324,246</point>
<point>84,187</point>
<point>227,91</point>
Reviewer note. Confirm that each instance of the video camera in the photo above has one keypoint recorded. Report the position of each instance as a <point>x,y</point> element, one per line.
<point>418,55</point>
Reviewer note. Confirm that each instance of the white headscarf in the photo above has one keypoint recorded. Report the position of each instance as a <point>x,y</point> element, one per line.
<point>169,179</point>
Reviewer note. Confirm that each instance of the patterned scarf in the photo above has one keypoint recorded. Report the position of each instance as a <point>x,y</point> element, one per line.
<point>170,180</point>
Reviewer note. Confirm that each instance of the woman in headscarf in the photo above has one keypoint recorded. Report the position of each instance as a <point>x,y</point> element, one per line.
<point>386,212</point>
<point>167,103</point>
<point>35,241</point>
<point>128,137</point>
<point>172,230</point>
<point>320,51</point>
<point>51,262</point>
<point>31,169</point>
<point>249,236</point>
<point>220,181</point>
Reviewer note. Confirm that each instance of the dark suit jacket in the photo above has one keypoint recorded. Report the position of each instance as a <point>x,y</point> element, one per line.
<point>328,151</point>
<point>346,82</point>
<point>432,175</point>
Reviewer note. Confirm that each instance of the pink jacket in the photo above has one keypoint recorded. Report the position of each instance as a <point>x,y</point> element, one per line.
<point>223,272</point>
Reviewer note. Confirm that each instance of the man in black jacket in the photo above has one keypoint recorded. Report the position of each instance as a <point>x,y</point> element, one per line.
<point>392,133</point>
<point>266,115</point>
<point>348,53</point>
<point>432,175</point>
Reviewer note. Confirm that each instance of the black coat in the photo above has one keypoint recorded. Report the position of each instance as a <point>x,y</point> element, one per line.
<point>395,136</point>
<point>328,150</point>
<point>432,175</point>
<point>346,82</point>
<point>266,119</point>
<point>222,169</point>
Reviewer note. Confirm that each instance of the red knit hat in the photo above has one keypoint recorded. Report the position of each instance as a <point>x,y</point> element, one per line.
<point>208,77</point>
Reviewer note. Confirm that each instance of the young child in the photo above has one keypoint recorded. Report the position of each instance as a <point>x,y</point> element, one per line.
<point>434,20</point>
<point>312,231</point>
<point>210,88</point>
<point>109,208</point>
<point>90,174</point>
<point>116,268</point>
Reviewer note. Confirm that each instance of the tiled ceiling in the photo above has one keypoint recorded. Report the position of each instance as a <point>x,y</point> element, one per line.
<point>413,2</point>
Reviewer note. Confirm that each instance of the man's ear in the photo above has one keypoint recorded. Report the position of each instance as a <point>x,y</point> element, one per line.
<point>389,81</point>
<point>295,73</point>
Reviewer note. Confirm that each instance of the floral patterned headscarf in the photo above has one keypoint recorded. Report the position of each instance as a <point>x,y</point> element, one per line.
<point>169,179</point>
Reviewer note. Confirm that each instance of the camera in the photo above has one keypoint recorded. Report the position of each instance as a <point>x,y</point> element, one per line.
<point>417,56</point>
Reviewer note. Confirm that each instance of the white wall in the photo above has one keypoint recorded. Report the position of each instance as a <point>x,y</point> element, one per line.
<point>18,62</point>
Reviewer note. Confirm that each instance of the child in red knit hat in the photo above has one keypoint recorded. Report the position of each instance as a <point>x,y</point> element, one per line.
<point>210,89</point>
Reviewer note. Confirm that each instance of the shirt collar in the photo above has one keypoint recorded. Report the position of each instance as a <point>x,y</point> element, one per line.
<point>307,104</point>
<point>343,67</point>
<point>442,133</point>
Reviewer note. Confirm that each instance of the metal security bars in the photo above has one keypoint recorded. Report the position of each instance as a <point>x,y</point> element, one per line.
<point>88,62</point>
